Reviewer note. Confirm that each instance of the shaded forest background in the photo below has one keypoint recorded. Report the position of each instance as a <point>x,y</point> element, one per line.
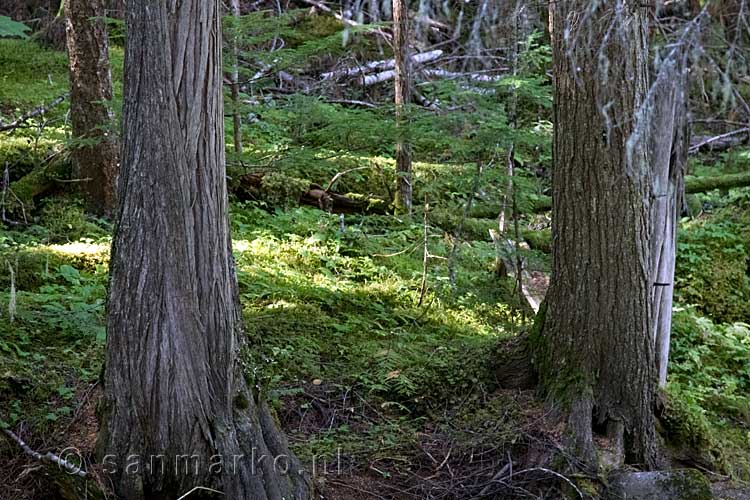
<point>380,335</point>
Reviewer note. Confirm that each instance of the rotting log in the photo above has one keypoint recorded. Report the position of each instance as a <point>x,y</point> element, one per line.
<point>251,187</point>
<point>693,184</point>
<point>704,184</point>
<point>38,182</point>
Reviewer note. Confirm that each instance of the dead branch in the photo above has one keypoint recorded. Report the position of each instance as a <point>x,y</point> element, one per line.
<point>452,75</point>
<point>40,110</point>
<point>384,64</point>
<point>720,142</point>
<point>48,457</point>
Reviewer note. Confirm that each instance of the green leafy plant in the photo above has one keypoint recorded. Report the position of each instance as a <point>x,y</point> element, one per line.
<point>12,29</point>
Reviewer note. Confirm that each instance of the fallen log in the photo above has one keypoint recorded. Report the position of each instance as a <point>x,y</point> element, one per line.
<point>261,186</point>
<point>703,184</point>
<point>385,64</point>
<point>42,179</point>
<point>720,142</point>
<point>693,184</point>
<point>474,77</point>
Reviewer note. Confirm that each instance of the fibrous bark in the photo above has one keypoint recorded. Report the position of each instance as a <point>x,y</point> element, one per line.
<point>596,351</point>
<point>95,157</point>
<point>178,411</point>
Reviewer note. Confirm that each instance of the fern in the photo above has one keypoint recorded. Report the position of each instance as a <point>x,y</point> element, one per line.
<point>12,29</point>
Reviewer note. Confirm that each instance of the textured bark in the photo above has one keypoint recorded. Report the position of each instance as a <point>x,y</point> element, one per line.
<point>401,99</point>
<point>669,142</point>
<point>96,157</point>
<point>596,349</point>
<point>175,385</point>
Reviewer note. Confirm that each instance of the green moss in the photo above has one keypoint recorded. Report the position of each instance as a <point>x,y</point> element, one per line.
<point>32,75</point>
<point>22,154</point>
<point>687,484</point>
<point>282,191</point>
<point>319,26</point>
<point>241,402</point>
<point>539,240</point>
<point>684,424</point>
<point>65,220</point>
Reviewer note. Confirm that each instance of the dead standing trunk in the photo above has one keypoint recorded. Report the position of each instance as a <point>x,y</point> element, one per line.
<point>179,411</point>
<point>236,112</point>
<point>401,99</point>
<point>95,157</point>
<point>595,351</point>
<point>668,146</point>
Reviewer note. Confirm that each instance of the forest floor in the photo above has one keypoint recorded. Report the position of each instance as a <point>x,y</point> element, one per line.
<point>386,389</point>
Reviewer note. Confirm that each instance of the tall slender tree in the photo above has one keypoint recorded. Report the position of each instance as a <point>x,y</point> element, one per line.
<point>95,156</point>
<point>401,100</point>
<point>596,347</point>
<point>179,411</point>
<point>236,112</point>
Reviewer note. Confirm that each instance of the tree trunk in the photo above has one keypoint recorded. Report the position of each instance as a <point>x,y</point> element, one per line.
<point>116,9</point>
<point>401,99</point>
<point>236,112</point>
<point>179,411</point>
<point>596,353</point>
<point>669,142</point>
<point>95,157</point>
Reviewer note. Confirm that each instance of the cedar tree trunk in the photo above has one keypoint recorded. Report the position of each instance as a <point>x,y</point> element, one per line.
<point>178,410</point>
<point>596,353</point>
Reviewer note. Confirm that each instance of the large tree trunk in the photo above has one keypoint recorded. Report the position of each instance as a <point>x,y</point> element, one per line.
<point>596,353</point>
<point>669,142</point>
<point>177,396</point>
<point>401,99</point>
<point>95,158</point>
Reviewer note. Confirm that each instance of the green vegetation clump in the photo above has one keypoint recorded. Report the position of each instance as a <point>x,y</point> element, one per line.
<point>708,392</point>
<point>63,220</point>
<point>22,154</point>
<point>31,76</point>
<point>282,191</point>
<point>711,364</point>
<point>712,268</point>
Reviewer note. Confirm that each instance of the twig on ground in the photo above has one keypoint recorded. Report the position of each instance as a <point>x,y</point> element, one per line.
<point>48,457</point>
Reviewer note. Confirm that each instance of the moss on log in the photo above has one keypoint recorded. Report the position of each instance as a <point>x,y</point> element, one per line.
<point>39,181</point>
<point>729,181</point>
<point>280,190</point>
<point>693,185</point>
